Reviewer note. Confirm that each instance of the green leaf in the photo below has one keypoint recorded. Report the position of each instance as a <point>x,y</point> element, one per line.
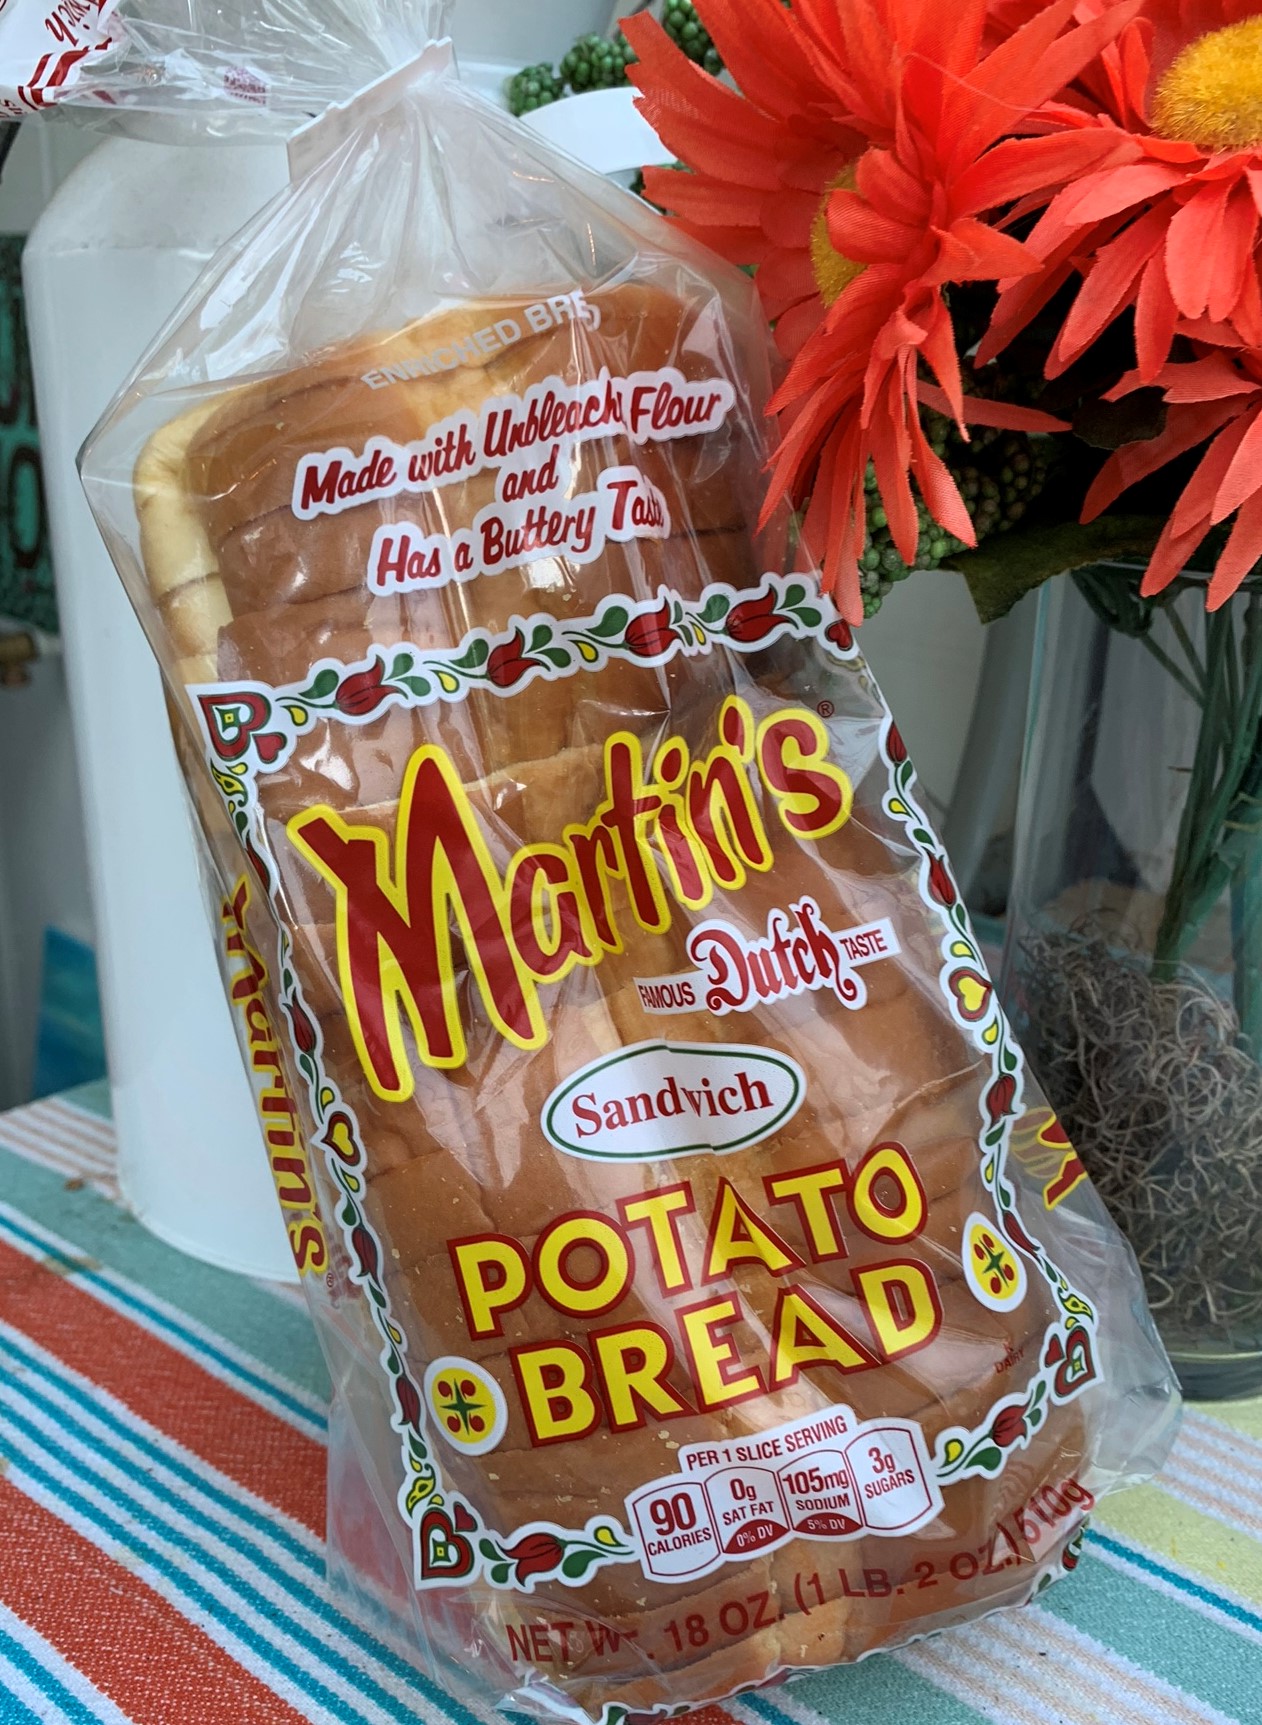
<point>559,656</point>
<point>540,638</point>
<point>989,1458</point>
<point>1136,418</point>
<point>809,617</point>
<point>418,685</point>
<point>1009,1060</point>
<point>794,594</point>
<point>612,623</point>
<point>499,1573</point>
<point>324,684</point>
<point>401,664</point>
<point>715,608</point>
<point>477,655</point>
<point>350,1215</point>
<point>1010,565</point>
<point>922,837</point>
<point>488,1550</point>
<point>577,1564</point>
<point>1115,598</point>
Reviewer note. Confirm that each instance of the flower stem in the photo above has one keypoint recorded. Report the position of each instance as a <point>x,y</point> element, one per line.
<point>1219,844</point>
<point>1246,941</point>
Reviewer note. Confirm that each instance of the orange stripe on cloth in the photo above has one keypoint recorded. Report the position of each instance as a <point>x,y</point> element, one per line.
<point>156,1666</point>
<point>166,1389</point>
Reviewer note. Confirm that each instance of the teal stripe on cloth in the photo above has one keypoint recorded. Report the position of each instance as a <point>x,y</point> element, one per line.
<point>122,1524</point>
<point>14,1711</point>
<point>343,1637</point>
<point>196,1480</point>
<point>148,1310</point>
<point>1180,1645</point>
<point>877,1691</point>
<point>1196,1592</point>
<point>218,1515</point>
<point>270,1330</point>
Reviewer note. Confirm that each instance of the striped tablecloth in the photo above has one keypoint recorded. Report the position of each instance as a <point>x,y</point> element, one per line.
<point>162,1501</point>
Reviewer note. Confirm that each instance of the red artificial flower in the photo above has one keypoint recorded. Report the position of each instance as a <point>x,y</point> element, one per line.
<point>508,664</point>
<point>1166,220</point>
<point>1168,223</point>
<point>362,691</point>
<point>534,1554</point>
<point>1217,396</point>
<point>855,170</point>
<point>753,619</point>
<point>650,633</point>
<point>895,747</point>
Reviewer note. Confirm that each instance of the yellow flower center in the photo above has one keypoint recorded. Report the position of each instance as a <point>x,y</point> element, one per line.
<point>1212,94</point>
<point>833,272</point>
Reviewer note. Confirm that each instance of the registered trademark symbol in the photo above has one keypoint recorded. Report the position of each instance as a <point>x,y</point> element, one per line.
<point>825,709</point>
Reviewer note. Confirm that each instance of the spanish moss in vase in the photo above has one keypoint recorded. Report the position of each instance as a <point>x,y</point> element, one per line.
<point>1134,960</point>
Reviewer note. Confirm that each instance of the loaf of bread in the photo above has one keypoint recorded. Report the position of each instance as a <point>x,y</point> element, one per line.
<point>654,1098</point>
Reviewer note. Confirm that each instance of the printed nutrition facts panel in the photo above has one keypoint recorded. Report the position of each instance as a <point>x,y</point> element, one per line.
<point>821,1477</point>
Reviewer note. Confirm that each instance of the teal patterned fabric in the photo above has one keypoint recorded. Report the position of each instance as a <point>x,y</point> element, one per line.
<point>26,574</point>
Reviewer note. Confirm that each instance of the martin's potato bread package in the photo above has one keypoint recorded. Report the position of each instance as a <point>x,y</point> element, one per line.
<point>709,1292</point>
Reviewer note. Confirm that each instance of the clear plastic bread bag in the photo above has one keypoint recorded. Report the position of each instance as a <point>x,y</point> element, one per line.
<point>230,68</point>
<point>709,1292</point>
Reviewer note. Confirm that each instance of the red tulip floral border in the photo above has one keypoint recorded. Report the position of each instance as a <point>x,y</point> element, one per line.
<point>1067,1364</point>
<point>449,1538</point>
<point>651,631</point>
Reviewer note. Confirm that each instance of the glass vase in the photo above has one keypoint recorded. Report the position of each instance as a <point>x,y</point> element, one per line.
<point>1133,959</point>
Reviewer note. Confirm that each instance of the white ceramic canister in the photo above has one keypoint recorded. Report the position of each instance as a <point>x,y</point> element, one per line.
<point>120,244</point>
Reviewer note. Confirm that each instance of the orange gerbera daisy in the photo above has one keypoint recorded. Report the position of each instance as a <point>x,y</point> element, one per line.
<point>854,168</point>
<point>1168,222</point>
<point>1216,396</point>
